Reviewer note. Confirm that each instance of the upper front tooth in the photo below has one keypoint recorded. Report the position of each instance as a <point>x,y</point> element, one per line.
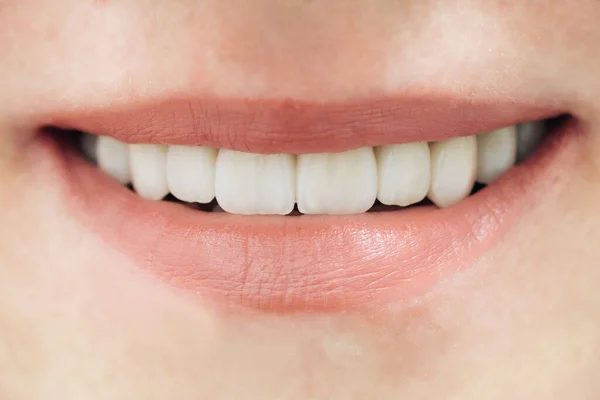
<point>528,136</point>
<point>497,153</point>
<point>404,173</point>
<point>248,183</point>
<point>453,169</point>
<point>148,164</point>
<point>337,183</point>
<point>191,173</point>
<point>113,158</point>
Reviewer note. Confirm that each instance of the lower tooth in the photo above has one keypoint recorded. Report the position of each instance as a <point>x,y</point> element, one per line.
<point>337,183</point>
<point>248,183</point>
<point>453,169</point>
<point>113,158</point>
<point>496,152</point>
<point>148,163</point>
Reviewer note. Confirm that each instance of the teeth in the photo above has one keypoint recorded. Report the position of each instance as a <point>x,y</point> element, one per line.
<point>497,153</point>
<point>325,183</point>
<point>453,169</point>
<point>404,173</point>
<point>112,157</point>
<point>191,173</point>
<point>340,183</point>
<point>248,183</point>
<point>148,164</point>
<point>528,137</point>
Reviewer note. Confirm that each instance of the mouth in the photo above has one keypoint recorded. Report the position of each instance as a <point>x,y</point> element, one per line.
<point>289,207</point>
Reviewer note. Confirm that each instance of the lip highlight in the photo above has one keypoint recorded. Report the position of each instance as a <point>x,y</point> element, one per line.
<point>304,263</point>
<point>295,127</point>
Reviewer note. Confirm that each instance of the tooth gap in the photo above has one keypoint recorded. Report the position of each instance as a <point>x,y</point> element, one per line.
<point>477,188</point>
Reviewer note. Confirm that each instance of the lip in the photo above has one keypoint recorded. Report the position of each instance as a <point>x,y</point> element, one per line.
<point>290,126</point>
<point>305,263</point>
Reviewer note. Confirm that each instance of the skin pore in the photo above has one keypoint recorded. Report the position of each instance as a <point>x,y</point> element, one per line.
<point>79,319</point>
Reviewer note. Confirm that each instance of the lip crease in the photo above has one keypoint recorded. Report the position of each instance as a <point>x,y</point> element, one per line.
<point>304,263</point>
<point>290,126</point>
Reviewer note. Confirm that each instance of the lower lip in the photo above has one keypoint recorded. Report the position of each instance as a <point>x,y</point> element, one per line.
<point>303,263</point>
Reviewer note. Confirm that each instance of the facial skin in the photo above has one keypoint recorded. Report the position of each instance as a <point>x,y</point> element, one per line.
<point>79,320</point>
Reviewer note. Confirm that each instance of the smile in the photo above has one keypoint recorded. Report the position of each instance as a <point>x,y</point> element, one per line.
<point>287,207</point>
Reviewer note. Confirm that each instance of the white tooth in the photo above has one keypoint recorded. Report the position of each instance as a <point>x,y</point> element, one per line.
<point>148,163</point>
<point>453,169</point>
<point>113,158</point>
<point>337,183</point>
<point>404,173</point>
<point>191,173</point>
<point>496,153</point>
<point>88,146</point>
<point>528,137</point>
<point>248,183</point>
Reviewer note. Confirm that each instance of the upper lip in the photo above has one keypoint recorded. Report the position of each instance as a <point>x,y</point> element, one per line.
<point>290,126</point>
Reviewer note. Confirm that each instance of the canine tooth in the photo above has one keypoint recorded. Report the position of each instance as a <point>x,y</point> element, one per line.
<point>248,183</point>
<point>191,173</point>
<point>529,136</point>
<point>453,169</point>
<point>496,152</point>
<point>148,163</point>
<point>337,183</point>
<point>113,158</point>
<point>404,173</point>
